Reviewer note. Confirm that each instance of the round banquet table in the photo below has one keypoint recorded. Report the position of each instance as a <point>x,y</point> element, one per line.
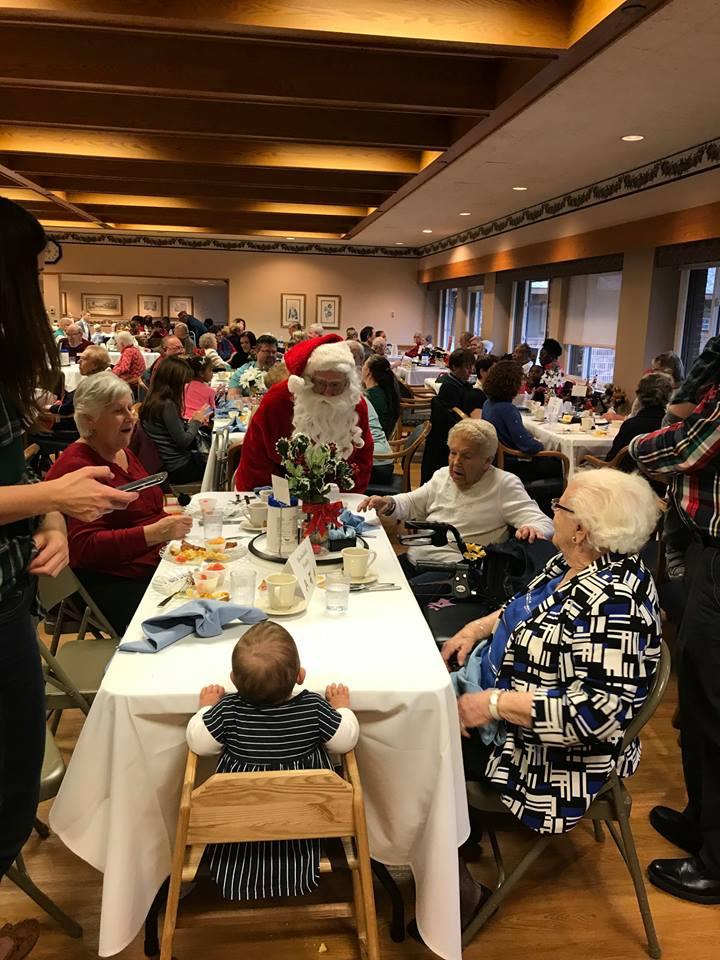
<point>118,802</point>
<point>71,374</point>
<point>417,375</point>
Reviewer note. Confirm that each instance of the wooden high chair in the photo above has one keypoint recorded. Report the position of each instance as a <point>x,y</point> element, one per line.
<point>276,805</point>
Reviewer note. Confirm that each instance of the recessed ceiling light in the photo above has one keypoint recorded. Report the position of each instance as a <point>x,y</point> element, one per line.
<point>466,213</point>
<point>519,189</point>
<point>427,231</point>
<point>399,243</point>
<point>633,137</point>
<point>289,238</point>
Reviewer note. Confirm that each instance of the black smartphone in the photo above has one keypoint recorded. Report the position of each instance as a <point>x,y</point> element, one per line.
<point>153,481</point>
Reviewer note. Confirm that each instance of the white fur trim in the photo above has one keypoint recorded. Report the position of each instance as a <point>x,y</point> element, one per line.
<point>295,383</point>
<point>330,356</point>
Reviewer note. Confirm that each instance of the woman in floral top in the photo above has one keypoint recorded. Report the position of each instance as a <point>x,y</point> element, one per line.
<point>568,664</point>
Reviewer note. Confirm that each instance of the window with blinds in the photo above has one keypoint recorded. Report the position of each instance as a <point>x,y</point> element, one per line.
<point>591,318</point>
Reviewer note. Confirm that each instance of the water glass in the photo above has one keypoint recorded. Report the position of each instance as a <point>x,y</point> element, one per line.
<point>212,527</point>
<point>242,586</point>
<point>337,592</point>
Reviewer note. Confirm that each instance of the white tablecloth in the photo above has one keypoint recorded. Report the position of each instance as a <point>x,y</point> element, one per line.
<point>117,805</point>
<point>71,374</point>
<point>208,481</point>
<point>570,439</point>
<point>149,356</point>
<point>417,376</point>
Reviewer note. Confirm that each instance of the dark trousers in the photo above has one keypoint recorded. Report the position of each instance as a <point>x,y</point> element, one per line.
<point>190,472</point>
<point>117,597</point>
<point>699,689</point>
<point>22,724</point>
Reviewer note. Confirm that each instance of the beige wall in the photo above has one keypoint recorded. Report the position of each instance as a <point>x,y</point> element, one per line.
<point>210,301</point>
<point>374,290</point>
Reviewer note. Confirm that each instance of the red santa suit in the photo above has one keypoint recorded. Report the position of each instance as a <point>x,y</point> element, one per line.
<point>275,417</point>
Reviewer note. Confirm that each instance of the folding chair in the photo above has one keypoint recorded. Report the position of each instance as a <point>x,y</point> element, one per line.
<point>221,439</point>
<point>74,672</point>
<point>612,805</point>
<point>53,771</point>
<point>277,805</point>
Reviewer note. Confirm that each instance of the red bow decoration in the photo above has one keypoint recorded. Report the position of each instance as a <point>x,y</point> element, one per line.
<point>321,516</point>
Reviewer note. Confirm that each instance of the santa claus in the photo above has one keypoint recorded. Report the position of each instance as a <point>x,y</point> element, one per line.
<point>322,399</point>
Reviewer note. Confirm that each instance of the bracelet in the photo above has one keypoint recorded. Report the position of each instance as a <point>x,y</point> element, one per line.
<point>390,510</point>
<point>493,704</point>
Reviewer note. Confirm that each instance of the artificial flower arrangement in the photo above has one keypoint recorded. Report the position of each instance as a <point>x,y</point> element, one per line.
<point>310,468</point>
<point>251,382</point>
<point>554,381</point>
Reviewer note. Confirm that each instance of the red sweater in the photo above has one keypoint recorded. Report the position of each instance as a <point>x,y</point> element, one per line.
<point>272,420</point>
<point>114,544</point>
<point>131,365</point>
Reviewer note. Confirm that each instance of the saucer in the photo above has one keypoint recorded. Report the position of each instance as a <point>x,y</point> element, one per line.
<point>297,607</point>
<point>368,578</point>
<point>246,525</point>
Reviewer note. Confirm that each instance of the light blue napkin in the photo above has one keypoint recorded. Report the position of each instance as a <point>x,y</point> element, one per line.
<point>360,524</point>
<point>204,618</point>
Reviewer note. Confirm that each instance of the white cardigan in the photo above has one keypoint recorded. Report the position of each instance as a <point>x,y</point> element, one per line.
<point>482,513</point>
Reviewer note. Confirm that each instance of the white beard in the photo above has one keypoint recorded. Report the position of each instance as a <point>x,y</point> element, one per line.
<point>328,419</point>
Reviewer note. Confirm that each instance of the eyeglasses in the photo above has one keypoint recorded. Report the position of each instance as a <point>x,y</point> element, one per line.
<point>556,505</point>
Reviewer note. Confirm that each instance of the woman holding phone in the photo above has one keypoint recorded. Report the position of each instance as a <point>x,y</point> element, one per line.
<point>33,540</point>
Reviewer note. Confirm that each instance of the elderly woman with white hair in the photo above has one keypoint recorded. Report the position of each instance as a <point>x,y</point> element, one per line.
<point>116,555</point>
<point>480,500</point>
<point>208,344</point>
<point>131,365</point>
<point>549,683</point>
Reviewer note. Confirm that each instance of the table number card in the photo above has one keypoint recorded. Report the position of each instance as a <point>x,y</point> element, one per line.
<point>281,490</point>
<point>301,562</point>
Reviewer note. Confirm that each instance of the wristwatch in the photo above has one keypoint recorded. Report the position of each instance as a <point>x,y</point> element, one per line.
<point>493,704</point>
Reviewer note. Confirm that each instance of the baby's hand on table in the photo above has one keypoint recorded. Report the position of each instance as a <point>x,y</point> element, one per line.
<point>211,695</point>
<point>337,695</point>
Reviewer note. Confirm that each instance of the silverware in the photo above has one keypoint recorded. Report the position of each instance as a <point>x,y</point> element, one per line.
<point>371,587</point>
<point>166,601</point>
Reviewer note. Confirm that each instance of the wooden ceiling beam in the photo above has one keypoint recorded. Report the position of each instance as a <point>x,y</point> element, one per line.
<point>523,26</point>
<point>217,221</point>
<point>235,120</point>
<point>194,177</point>
<point>221,192</point>
<point>228,153</point>
<point>247,70</point>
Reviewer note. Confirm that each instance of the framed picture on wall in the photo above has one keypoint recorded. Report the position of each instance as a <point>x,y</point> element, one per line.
<point>327,310</point>
<point>64,303</point>
<point>102,304</point>
<point>177,304</point>
<point>150,305</point>
<point>292,309</point>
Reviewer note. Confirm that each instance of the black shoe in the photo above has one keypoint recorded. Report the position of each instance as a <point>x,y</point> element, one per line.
<point>686,879</point>
<point>676,828</point>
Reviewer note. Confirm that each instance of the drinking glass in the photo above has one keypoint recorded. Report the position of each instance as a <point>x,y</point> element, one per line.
<point>212,527</point>
<point>337,592</point>
<point>242,586</point>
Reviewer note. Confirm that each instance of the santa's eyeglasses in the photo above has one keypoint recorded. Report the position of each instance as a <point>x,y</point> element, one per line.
<point>331,388</point>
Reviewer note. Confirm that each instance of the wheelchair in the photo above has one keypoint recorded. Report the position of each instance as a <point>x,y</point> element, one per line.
<point>451,595</point>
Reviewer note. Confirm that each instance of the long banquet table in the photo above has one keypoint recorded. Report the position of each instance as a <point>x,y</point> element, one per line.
<point>118,803</point>
<point>571,440</point>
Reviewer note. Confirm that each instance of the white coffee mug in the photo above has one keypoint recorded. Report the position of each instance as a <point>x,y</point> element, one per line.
<point>281,590</point>
<point>257,513</point>
<point>356,561</point>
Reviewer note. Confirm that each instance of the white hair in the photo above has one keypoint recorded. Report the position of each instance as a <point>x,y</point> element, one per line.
<point>481,433</point>
<point>618,510</point>
<point>124,339</point>
<point>316,329</point>
<point>94,394</point>
<point>207,340</point>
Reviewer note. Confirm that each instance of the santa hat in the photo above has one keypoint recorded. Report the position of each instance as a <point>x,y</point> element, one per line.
<point>329,352</point>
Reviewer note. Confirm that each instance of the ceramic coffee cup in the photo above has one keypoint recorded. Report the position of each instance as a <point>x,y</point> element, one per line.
<point>356,561</point>
<point>257,512</point>
<point>281,590</point>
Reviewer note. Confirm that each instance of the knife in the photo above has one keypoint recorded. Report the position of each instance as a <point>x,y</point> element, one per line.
<point>368,588</point>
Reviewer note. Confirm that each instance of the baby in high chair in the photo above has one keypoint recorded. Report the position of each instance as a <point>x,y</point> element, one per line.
<point>264,727</point>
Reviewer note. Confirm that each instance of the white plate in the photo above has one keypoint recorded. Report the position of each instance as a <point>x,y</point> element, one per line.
<point>297,607</point>
<point>239,551</point>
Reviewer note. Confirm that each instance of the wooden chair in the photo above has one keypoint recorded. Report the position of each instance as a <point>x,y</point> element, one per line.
<point>611,806</point>
<point>275,805</point>
<point>403,453</point>
<point>614,464</point>
<point>233,462</point>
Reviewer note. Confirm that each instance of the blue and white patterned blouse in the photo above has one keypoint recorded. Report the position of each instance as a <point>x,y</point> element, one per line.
<point>587,655</point>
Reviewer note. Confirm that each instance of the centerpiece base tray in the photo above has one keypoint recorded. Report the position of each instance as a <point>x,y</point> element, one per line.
<point>258,547</point>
